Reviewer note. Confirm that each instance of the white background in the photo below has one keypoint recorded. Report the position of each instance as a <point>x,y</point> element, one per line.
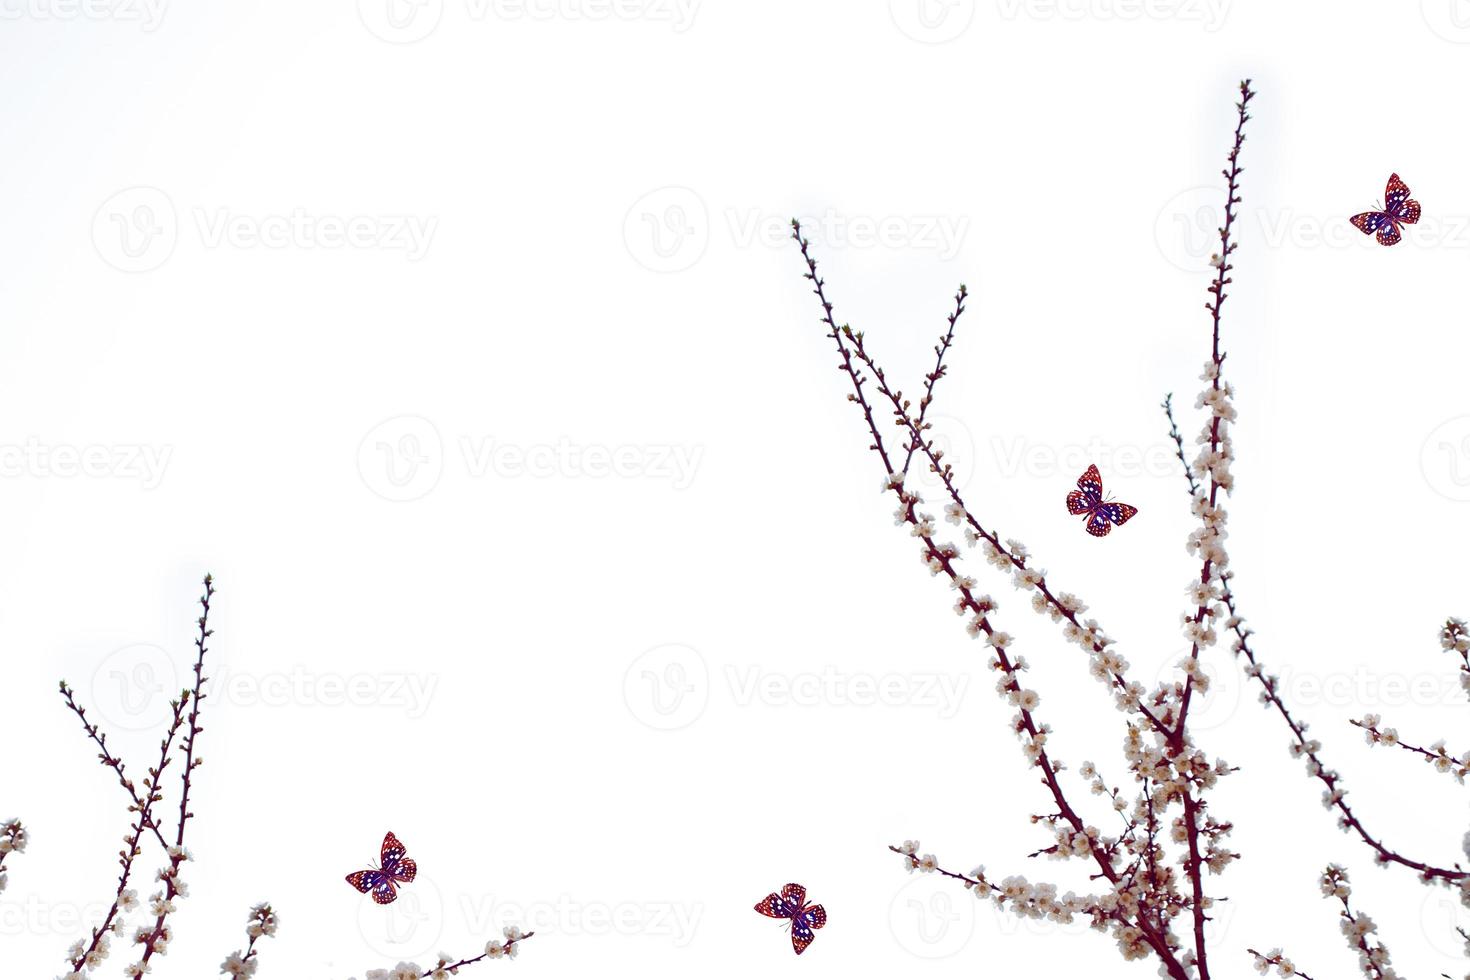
<point>601,195</point>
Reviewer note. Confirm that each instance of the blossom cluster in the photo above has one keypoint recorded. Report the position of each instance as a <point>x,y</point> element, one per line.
<point>13,840</point>
<point>448,966</point>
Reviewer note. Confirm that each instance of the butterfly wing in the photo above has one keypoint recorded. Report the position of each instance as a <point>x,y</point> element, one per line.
<point>1369,221</point>
<point>801,934</point>
<point>776,907</point>
<point>364,881</point>
<point>785,905</point>
<point>1107,515</point>
<point>802,924</point>
<point>393,849</point>
<point>1400,207</point>
<point>1395,195</point>
<point>1389,234</point>
<point>376,882</point>
<point>1090,482</point>
<point>1088,495</point>
<point>395,865</point>
<point>384,891</point>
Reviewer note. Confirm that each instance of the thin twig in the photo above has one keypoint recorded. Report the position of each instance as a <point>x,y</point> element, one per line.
<point>932,378</point>
<point>108,759</point>
<point>154,938</point>
<point>1168,407</point>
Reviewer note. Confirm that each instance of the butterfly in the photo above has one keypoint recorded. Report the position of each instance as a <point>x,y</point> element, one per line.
<point>395,867</point>
<point>1397,210</point>
<point>1101,514</point>
<point>791,904</point>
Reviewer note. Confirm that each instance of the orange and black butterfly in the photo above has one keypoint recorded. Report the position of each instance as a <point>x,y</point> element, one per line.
<point>1397,210</point>
<point>1101,514</point>
<point>395,868</point>
<point>791,904</point>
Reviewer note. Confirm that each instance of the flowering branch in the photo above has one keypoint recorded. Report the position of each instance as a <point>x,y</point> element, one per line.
<point>1019,896</point>
<point>262,922</point>
<point>1373,958</point>
<point>1436,755</point>
<point>1208,541</point>
<point>1107,664</point>
<point>1453,637</point>
<point>1170,772</point>
<point>1335,796</point>
<point>124,899</point>
<point>448,966</point>
<point>183,731</point>
<point>1283,966</point>
<point>1141,923</point>
<point>493,951</point>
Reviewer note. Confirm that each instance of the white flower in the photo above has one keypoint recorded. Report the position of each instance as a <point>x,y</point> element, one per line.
<point>236,966</point>
<point>1029,578</point>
